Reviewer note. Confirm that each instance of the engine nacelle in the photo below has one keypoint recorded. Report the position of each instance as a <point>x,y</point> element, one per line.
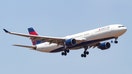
<point>104,46</point>
<point>70,42</point>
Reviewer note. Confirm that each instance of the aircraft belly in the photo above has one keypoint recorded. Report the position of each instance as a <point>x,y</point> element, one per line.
<point>47,47</point>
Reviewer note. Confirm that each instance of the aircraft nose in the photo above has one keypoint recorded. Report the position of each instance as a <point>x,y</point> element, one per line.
<point>124,29</point>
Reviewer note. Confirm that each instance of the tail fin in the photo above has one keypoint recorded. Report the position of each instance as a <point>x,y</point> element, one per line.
<point>33,32</point>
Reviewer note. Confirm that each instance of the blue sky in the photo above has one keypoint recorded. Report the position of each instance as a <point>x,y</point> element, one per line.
<point>61,18</point>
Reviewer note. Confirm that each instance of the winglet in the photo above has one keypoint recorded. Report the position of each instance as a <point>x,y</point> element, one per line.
<point>6,31</point>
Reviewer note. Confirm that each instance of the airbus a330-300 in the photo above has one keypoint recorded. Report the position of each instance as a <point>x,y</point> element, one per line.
<point>88,39</point>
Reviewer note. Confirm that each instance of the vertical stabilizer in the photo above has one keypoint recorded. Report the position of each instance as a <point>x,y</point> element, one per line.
<point>33,32</point>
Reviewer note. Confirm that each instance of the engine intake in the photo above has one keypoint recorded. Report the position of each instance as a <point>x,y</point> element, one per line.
<point>104,46</point>
<point>70,42</point>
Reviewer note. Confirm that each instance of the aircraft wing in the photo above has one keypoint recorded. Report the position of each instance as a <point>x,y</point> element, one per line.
<point>58,40</point>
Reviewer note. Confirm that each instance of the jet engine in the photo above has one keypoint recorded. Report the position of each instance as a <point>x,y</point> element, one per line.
<point>70,42</point>
<point>104,46</point>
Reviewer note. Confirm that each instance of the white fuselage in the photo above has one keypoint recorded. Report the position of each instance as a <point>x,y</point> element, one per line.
<point>111,31</point>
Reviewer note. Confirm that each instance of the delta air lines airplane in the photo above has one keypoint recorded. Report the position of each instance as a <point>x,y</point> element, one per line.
<point>92,38</point>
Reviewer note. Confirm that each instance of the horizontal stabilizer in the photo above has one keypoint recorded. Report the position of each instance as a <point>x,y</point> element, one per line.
<point>32,47</point>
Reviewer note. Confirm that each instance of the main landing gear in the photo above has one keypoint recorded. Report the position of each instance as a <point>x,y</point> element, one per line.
<point>85,53</point>
<point>64,53</point>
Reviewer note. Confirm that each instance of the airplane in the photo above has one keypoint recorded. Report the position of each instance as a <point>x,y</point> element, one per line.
<point>88,39</point>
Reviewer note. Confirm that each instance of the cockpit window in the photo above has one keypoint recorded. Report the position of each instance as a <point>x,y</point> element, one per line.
<point>121,26</point>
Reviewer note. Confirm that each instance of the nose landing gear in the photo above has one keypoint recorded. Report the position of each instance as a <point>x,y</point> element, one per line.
<point>115,41</point>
